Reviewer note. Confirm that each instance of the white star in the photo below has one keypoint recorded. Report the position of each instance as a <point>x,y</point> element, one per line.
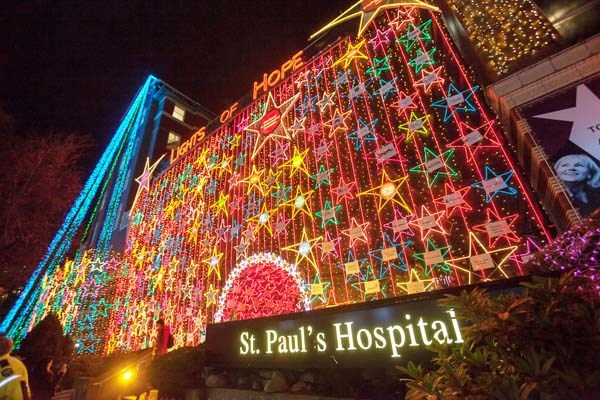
<point>585,116</point>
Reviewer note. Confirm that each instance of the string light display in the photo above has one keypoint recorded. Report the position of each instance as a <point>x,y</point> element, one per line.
<point>353,183</point>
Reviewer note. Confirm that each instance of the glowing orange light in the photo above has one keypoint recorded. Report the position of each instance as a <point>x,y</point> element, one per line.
<point>388,190</point>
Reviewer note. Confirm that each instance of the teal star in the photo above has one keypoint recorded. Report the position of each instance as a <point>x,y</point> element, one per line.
<point>379,66</point>
<point>497,184</point>
<point>422,60</point>
<point>328,214</point>
<point>322,177</point>
<point>414,34</point>
<point>319,286</point>
<point>436,165</point>
<point>434,257</point>
<point>456,101</point>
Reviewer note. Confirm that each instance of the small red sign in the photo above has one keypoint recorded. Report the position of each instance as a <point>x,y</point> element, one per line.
<point>270,122</point>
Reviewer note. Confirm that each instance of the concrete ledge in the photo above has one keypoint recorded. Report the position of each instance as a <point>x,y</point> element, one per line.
<point>237,394</point>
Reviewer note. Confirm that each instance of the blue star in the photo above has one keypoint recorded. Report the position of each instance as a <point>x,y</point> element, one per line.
<point>386,88</point>
<point>252,208</point>
<point>498,183</point>
<point>363,133</point>
<point>359,89</point>
<point>383,255</point>
<point>308,105</point>
<point>356,264</point>
<point>456,100</point>
<point>342,79</point>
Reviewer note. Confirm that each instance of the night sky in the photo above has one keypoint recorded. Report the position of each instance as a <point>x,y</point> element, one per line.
<point>75,66</point>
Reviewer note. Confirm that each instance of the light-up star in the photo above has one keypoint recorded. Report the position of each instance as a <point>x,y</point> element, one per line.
<point>434,258</point>
<point>322,177</point>
<point>405,103</point>
<point>211,295</point>
<point>388,191</point>
<point>481,259</point>
<point>223,166</point>
<point>428,222</point>
<point>436,165</point>
<point>365,132</point>
<point>235,141</point>
<point>193,231</point>
<point>344,190</point>
<point>456,100</point>
<point>272,178</point>
<point>494,183</point>
<point>473,139</point>
<point>328,214</point>
<point>368,10</point>
<point>326,100</point>
<point>302,78</point>
<point>329,246</point>
<point>281,194</point>
<point>380,39</point>
<point>251,208</point>
<point>280,226</point>
<point>296,163</point>
<point>352,53</point>
<point>415,125</point>
<point>353,266</point>
<point>307,106</point>
<point>422,60</point>
<point>390,255</point>
<point>498,227</point>
<point>221,204</point>
<point>323,150</point>
<point>429,78</point>
<point>270,124</point>
<point>357,232</point>
<point>403,16</point>
<point>386,88</point>
<point>255,180</point>
<point>280,153</point>
<point>263,219</point>
<point>415,283</point>
<point>213,262</point>
<point>222,231</point>
<point>380,65</point>
<point>342,79</point>
<point>300,202</point>
<point>454,200</point>
<point>144,179</point>
<point>304,250</point>
<point>319,289</point>
<point>240,160</point>
<point>338,122</point>
<point>400,225</point>
<point>415,34</point>
<point>531,248</point>
<point>586,123</point>
<point>387,153</point>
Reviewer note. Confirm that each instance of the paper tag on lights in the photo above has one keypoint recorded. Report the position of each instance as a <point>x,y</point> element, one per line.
<point>427,222</point>
<point>389,254</point>
<point>327,247</point>
<point>405,102</point>
<point>415,287</point>
<point>497,228</point>
<point>400,225</point>
<point>316,289</point>
<point>481,261</point>
<point>414,125</point>
<point>328,214</point>
<point>430,78</point>
<point>352,268</point>
<point>372,287</point>
<point>422,59</point>
<point>493,185</point>
<point>472,138</point>
<point>434,164</point>
<point>433,257</point>
<point>355,233</point>
<point>453,199</point>
<point>454,100</point>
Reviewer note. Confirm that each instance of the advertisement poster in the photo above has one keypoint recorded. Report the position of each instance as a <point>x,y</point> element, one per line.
<point>567,125</point>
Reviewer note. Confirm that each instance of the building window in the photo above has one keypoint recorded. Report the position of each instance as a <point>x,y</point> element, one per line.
<point>178,113</point>
<point>173,140</point>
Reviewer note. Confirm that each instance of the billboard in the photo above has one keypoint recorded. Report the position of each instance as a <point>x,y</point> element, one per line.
<point>567,126</point>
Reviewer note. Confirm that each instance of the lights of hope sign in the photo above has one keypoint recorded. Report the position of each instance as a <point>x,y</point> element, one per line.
<point>352,336</point>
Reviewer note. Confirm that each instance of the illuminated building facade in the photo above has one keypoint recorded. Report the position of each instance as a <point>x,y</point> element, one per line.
<point>368,169</point>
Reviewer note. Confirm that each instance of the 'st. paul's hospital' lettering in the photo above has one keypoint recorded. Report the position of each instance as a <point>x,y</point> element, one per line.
<point>349,336</point>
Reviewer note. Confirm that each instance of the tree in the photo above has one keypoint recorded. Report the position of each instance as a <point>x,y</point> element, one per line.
<point>542,344</point>
<point>40,176</point>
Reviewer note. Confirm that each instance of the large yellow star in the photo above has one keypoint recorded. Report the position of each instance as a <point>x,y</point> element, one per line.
<point>368,10</point>
<point>296,163</point>
<point>299,203</point>
<point>304,250</point>
<point>254,180</point>
<point>213,262</point>
<point>211,295</point>
<point>388,190</point>
<point>263,219</point>
<point>482,260</point>
<point>221,205</point>
<point>415,283</point>
<point>270,124</point>
<point>353,52</point>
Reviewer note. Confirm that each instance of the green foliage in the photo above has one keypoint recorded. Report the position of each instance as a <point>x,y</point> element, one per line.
<point>540,344</point>
<point>178,370</point>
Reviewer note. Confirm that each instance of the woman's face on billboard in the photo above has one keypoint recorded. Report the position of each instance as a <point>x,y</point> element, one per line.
<point>572,169</point>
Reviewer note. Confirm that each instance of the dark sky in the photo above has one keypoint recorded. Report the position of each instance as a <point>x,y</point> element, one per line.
<point>75,65</point>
